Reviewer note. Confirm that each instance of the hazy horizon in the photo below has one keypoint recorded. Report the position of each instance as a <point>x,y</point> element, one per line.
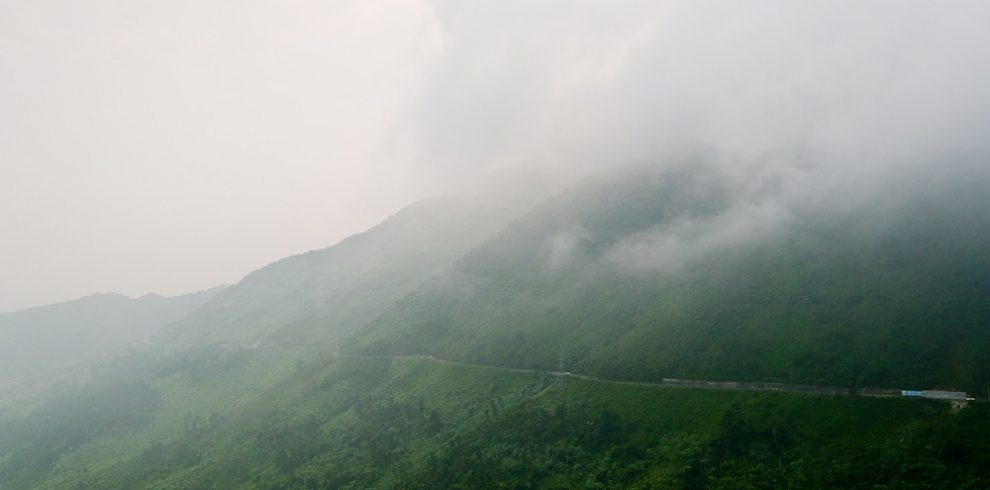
<point>170,148</point>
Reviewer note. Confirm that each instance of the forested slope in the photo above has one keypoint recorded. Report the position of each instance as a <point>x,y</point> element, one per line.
<point>320,297</point>
<point>415,423</point>
<point>636,274</point>
<point>631,278</point>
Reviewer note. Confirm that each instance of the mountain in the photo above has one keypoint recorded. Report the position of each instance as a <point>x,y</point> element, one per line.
<point>47,338</point>
<point>320,297</point>
<point>647,275</point>
<point>454,318</point>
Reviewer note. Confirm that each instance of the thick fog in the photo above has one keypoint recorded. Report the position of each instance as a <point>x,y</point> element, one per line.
<point>173,146</point>
<point>846,84</point>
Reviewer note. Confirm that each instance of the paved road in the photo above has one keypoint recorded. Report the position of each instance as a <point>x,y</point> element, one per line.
<point>668,382</point>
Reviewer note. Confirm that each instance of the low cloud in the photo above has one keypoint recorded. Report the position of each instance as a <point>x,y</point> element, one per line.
<point>849,91</point>
<point>563,246</point>
<point>677,244</point>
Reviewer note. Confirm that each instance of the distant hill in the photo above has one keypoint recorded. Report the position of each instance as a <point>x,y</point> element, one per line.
<point>47,338</point>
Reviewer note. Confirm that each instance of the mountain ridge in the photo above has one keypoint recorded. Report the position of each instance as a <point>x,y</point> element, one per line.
<point>47,338</point>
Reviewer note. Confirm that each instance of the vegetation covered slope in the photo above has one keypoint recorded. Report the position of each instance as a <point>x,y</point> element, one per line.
<point>322,296</point>
<point>635,277</point>
<point>632,275</point>
<point>47,338</point>
<point>416,423</point>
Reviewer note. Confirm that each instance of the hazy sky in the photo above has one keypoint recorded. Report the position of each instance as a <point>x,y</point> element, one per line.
<point>171,146</point>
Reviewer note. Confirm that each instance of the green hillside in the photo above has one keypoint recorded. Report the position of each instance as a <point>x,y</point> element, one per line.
<point>384,423</point>
<point>128,404</point>
<point>320,297</point>
<point>897,296</point>
<point>305,375</point>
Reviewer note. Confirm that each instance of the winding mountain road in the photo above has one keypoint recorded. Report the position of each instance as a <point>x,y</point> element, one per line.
<point>665,383</point>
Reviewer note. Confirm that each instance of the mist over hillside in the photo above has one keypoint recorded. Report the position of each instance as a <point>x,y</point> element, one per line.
<point>320,297</point>
<point>650,274</point>
<point>48,338</point>
<point>551,244</point>
<point>436,348</point>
